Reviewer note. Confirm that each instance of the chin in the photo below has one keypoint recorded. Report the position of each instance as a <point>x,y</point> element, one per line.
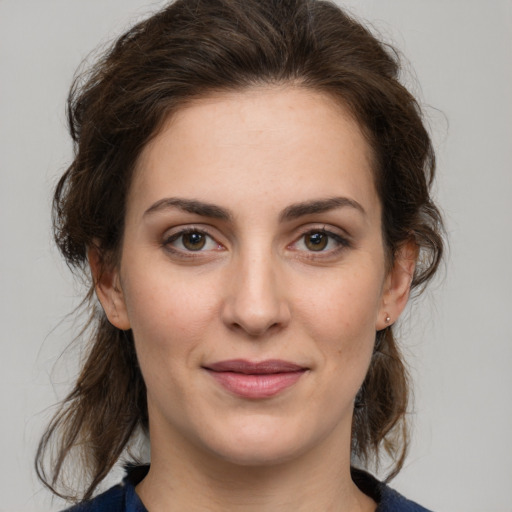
<point>261,444</point>
<point>258,455</point>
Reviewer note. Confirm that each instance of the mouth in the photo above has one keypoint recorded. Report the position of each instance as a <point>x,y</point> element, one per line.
<point>255,380</point>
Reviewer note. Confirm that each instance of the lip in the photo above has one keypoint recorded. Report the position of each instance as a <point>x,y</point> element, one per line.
<point>255,380</point>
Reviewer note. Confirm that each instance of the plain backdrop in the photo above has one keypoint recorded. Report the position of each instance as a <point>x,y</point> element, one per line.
<point>457,338</point>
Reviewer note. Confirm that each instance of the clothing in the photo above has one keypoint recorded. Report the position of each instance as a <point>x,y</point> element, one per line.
<point>123,498</point>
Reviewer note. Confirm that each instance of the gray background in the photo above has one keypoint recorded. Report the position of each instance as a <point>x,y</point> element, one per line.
<point>457,338</point>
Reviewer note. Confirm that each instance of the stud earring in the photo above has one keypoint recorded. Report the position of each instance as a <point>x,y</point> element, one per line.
<point>388,319</point>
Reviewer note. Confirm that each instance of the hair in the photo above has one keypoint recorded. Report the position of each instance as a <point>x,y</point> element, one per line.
<point>193,48</point>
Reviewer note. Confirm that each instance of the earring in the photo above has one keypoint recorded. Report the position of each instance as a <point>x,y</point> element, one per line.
<point>388,319</point>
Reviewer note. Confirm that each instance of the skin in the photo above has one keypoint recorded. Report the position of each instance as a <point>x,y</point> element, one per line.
<point>255,290</point>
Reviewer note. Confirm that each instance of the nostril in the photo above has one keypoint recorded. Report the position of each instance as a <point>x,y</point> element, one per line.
<point>254,302</point>
<point>254,330</point>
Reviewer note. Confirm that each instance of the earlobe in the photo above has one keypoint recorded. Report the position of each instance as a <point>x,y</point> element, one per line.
<point>397,286</point>
<point>108,289</point>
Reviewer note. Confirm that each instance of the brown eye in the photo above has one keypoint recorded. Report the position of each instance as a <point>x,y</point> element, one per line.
<point>316,241</point>
<point>194,241</point>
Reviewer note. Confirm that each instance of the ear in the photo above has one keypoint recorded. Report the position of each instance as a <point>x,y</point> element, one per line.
<point>397,285</point>
<point>108,288</point>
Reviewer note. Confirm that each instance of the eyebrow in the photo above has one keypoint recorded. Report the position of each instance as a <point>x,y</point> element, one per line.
<point>191,206</point>
<point>297,210</point>
<point>294,211</point>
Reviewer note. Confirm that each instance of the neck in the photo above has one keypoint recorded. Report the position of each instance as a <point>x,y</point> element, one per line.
<point>317,480</point>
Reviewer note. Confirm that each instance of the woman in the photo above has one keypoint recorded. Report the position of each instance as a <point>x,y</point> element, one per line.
<point>250,192</point>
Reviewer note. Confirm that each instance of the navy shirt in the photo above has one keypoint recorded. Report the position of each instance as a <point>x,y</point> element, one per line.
<point>123,498</point>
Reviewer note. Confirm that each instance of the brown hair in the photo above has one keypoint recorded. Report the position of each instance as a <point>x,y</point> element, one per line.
<point>189,49</point>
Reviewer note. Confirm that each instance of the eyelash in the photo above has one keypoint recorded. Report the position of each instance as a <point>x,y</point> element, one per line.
<point>168,241</point>
<point>341,242</point>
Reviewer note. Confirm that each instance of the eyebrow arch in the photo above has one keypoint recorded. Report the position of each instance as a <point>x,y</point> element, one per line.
<point>291,212</point>
<point>191,206</point>
<point>297,210</point>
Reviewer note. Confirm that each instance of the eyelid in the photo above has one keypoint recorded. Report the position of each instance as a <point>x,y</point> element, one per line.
<point>343,241</point>
<point>174,234</point>
<point>184,231</point>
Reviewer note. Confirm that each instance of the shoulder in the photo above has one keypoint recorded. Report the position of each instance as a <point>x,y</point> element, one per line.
<point>112,500</point>
<point>392,501</point>
<point>120,498</point>
<point>387,498</point>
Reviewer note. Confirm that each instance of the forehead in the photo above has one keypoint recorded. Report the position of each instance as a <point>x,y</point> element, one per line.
<point>257,143</point>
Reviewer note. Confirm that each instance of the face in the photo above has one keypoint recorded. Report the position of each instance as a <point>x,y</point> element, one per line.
<point>253,275</point>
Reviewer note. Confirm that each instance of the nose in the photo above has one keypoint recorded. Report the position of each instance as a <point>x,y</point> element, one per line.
<point>255,302</point>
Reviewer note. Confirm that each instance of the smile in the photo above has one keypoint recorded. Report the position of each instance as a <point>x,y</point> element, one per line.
<point>255,380</point>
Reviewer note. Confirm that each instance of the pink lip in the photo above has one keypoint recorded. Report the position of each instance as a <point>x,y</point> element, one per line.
<point>255,380</point>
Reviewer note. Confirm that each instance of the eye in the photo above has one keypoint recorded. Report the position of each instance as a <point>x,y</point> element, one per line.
<point>320,240</point>
<point>191,240</point>
<point>316,241</point>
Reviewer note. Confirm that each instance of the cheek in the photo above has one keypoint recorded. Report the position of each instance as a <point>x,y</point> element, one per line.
<point>340,317</point>
<point>168,324</point>
<point>343,307</point>
<point>168,313</point>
